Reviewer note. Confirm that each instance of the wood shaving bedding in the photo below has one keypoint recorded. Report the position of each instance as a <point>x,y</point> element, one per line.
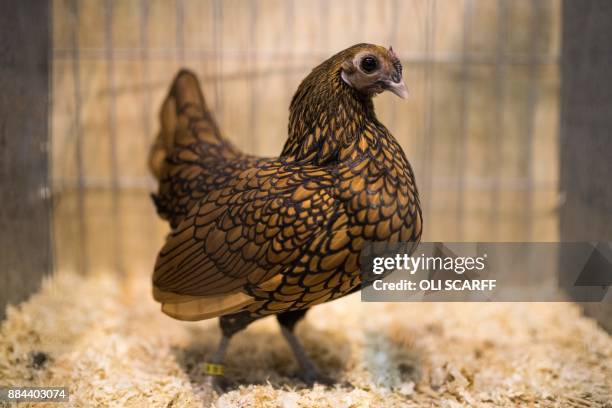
<point>107,341</point>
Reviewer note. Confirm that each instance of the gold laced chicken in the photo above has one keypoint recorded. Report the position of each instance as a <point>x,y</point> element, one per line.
<point>252,236</point>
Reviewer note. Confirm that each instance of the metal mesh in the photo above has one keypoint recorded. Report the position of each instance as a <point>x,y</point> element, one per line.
<point>485,88</point>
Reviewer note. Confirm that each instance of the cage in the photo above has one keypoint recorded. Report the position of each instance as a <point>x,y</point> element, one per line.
<point>487,129</point>
<point>119,59</point>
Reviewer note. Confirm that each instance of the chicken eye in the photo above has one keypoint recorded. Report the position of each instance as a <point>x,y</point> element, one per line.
<point>369,64</point>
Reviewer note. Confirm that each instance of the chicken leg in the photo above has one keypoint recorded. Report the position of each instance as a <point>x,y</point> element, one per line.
<point>232,324</point>
<point>214,368</point>
<point>309,373</point>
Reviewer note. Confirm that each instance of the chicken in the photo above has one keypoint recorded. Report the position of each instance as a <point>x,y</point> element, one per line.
<point>254,236</point>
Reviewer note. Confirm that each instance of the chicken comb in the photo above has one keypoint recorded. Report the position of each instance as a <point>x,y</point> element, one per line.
<point>396,63</point>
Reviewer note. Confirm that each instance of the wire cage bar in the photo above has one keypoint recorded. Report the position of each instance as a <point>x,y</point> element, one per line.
<point>482,113</point>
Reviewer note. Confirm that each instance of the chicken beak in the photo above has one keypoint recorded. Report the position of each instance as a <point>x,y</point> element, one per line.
<point>398,88</point>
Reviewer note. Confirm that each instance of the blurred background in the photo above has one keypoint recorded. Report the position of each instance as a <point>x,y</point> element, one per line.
<point>480,127</point>
<point>507,127</point>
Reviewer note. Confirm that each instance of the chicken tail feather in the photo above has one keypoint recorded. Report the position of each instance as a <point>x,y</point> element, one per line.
<point>187,148</point>
<point>184,120</point>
